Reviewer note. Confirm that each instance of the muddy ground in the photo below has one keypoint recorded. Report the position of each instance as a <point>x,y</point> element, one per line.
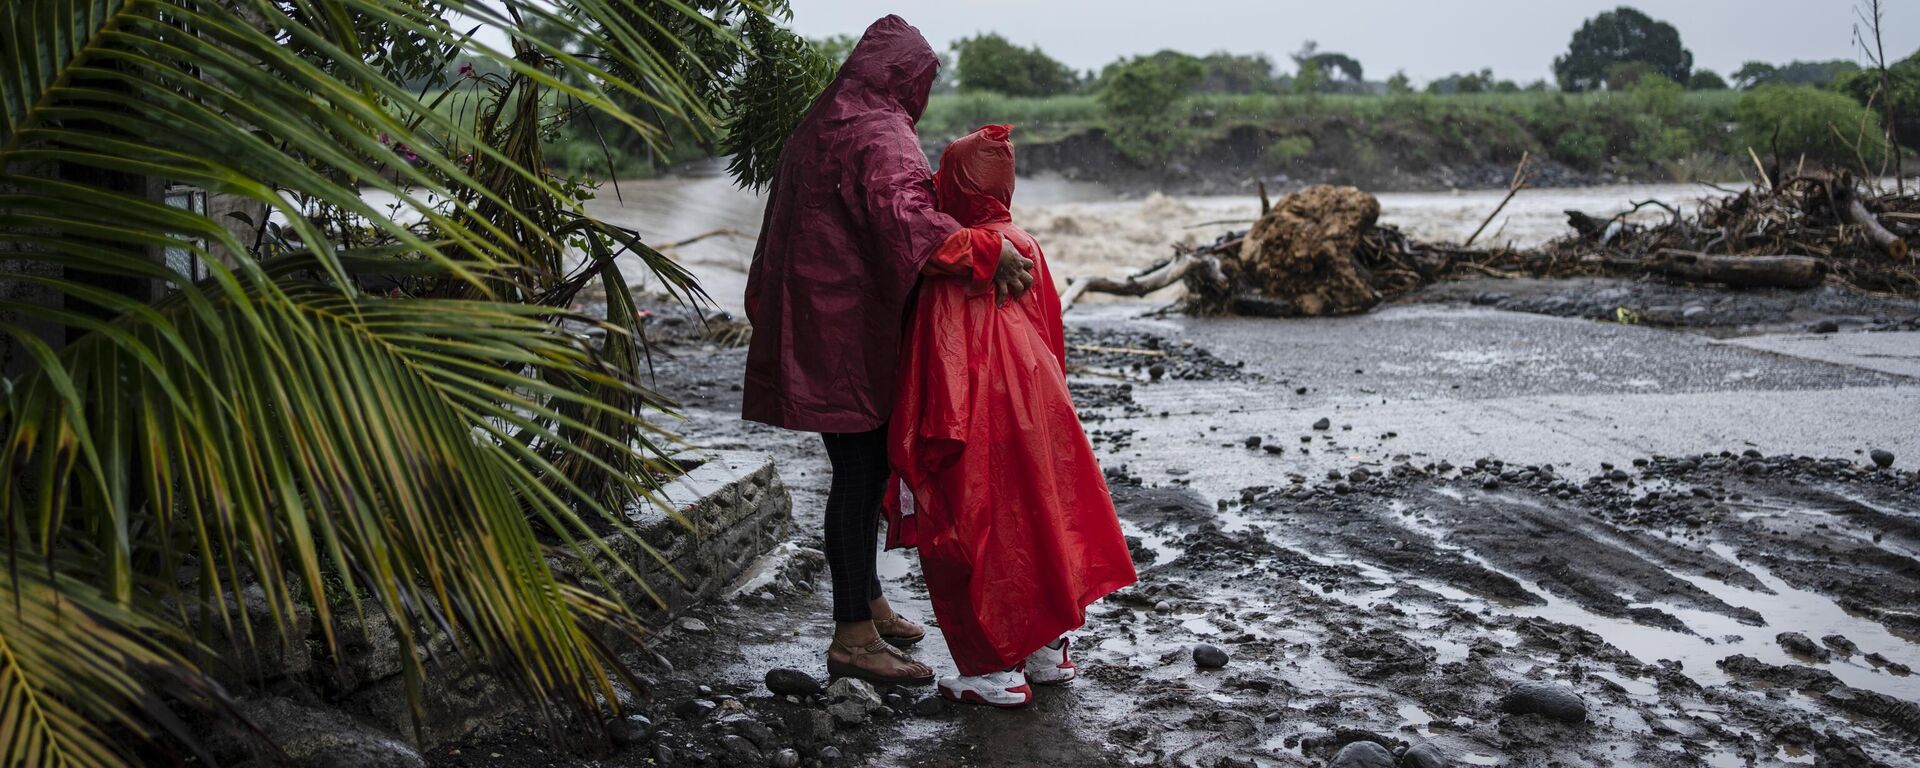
<point>1687,546</point>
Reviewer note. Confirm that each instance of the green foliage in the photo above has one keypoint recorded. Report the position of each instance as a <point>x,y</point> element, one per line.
<point>1617,36</point>
<point>1622,75</point>
<point>1706,80</point>
<point>1898,94</point>
<point>991,63</point>
<point>428,451</point>
<point>836,48</point>
<point>1818,74</point>
<point>1789,121</point>
<point>1231,73</point>
<point>1471,82</point>
<point>1288,149</point>
<point>1140,95</point>
<point>1399,85</point>
<point>766,103</point>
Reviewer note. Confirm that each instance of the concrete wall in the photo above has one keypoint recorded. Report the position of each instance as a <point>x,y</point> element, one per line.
<point>711,524</point>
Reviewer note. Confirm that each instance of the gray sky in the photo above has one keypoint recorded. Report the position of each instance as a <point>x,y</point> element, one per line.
<point>1427,38</point>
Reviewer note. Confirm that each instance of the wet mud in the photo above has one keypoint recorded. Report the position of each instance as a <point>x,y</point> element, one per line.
<point>1711,609</point>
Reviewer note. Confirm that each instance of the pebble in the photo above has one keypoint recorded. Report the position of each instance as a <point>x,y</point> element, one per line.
<point>1253,441</point>
<point>929,706</point>
<point>1208,656</point>
<point>739,747</point>
<point>1618,475</point>
<point>1840,644</point>
<point>1323,424</point>
<point>829,754</point>
<point>1362,754</point>
<point>1797,643</point>
<point>695,709</point>
<point>630,730</point>
<point>692,624</point>
<point>1156,371</point>
<point>786,758</point>
<point>1545,699</point>
<point>1882,459</point>
<point>792,682</point>
<point>852,701</point>
<point>1426,754</point>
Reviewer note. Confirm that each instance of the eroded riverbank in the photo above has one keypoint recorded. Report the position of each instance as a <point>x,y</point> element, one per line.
<point>1496,499</point>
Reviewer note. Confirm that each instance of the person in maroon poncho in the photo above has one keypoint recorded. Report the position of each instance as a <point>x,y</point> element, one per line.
<point>999,487</point>
<point>849,229</point>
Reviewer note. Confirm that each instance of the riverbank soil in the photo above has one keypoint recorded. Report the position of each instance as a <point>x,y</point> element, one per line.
<point>1467,535</point>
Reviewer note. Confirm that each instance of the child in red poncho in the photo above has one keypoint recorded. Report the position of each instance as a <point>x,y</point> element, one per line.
<point>998,486</point>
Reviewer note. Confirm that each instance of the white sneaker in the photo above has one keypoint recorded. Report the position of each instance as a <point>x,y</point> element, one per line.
<point>1006,690</point>
<point>1050,665</point>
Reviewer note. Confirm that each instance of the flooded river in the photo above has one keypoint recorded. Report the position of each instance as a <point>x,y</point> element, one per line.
<point>1087,229</point>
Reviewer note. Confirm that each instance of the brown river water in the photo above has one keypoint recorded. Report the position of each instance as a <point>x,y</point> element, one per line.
<point>1087,229</point>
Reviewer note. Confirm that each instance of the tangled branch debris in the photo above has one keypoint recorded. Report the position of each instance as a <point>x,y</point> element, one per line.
<point>1321,251</point>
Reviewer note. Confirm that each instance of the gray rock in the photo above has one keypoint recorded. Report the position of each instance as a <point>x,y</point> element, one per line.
<point>745,726</point>
<point>326,738</point>
<point>829,754</point>
<point>786,758</point>
<point>1323,424</point>
<point>1840,644</point>
<point>1362,754</point>
<point>817,728</point>
<point>792,682</point>
<point>630,730</point>
<point>693,625</point>
<point>1882,459</point>
<point>1425,754</point>
<point>852,701</point>
<point>1207,656</point>
<point>741,749</point>
<point>1547,700</point>
<point>1799,644</point>
<point>929,706</point>
<point>696,709</point>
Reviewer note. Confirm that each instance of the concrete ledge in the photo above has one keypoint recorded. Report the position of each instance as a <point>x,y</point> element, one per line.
<point>706,528</point>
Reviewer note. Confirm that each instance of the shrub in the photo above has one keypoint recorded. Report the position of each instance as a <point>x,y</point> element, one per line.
<point>1288,149</point>
<point>1794,120</point>
<point>991,63</point>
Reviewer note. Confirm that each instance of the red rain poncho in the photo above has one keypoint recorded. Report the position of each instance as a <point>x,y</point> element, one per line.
<point>1000,489</point>
<point>850,223</point>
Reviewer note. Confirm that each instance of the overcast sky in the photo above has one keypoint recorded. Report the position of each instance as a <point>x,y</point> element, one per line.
<point>1427,38</point>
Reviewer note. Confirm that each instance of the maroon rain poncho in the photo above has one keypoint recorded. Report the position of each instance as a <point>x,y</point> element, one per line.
<point>850,224</point>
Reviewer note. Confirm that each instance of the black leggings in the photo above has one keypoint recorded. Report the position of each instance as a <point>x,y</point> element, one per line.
<point>853,520</point>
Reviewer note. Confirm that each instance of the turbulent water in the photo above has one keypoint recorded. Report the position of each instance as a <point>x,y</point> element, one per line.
<point>1087,229</point>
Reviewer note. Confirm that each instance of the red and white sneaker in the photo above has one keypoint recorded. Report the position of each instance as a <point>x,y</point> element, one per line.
<point>1051,665</point>
<point>1006,690</point>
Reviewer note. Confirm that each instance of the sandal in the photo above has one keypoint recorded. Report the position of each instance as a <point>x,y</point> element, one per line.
<point>919,674</point>
<point>896,629</point>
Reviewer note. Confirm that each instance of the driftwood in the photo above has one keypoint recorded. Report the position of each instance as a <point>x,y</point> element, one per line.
<point>1203,264</point>
<point>1856,213</point>
<point>1741,271</point>
<point>1790,231</point>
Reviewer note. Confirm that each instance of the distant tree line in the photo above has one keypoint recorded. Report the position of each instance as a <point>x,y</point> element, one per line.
<point>1619,50</point>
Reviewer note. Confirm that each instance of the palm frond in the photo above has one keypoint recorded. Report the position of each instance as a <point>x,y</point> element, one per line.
<point>77,671</point>
<point>781,80</point>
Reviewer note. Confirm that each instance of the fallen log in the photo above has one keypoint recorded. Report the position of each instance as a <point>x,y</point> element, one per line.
<point>1856,213</point>
<point>1741,271</point>
<point>1146,282</point>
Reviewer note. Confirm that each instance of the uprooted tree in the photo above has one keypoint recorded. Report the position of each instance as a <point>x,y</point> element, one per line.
<point>1322,251</point>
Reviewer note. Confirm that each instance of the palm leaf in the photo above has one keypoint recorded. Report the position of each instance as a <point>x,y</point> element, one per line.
<point>77,670</point>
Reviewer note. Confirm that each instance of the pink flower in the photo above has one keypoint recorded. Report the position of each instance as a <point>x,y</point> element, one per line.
<point>466,70</point>
<point>384,138</point>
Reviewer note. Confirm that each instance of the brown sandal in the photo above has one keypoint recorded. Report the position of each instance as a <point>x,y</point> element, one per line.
<point>896,629</point>
<point>852,668</point>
